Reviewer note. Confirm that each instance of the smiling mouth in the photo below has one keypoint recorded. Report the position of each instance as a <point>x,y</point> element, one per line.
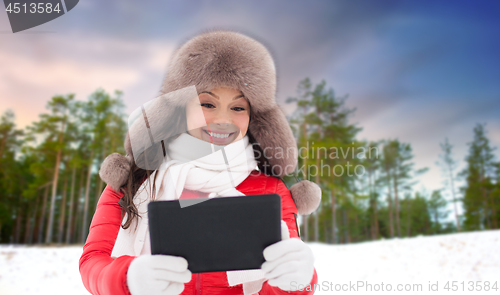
<point>218,135</point>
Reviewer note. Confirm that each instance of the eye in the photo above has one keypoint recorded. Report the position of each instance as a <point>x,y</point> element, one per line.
<point>207,105</point>
<point>239,109</point>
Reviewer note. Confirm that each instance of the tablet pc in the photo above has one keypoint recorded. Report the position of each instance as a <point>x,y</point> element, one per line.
<point>219,234</point>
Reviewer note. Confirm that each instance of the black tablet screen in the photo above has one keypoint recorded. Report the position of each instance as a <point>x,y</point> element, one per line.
<point>220,234</point>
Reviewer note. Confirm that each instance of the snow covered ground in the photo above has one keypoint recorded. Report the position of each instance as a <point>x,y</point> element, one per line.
<point>421,265</point>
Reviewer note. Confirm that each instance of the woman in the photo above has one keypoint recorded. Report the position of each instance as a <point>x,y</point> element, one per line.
<point>234,78</point>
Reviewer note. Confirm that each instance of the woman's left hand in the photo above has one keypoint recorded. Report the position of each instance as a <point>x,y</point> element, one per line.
<point>287,261</point>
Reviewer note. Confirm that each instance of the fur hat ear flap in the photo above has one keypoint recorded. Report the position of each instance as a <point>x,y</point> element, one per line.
<point>114,170</point>
<point>272,132</point>
<point>306,195</point>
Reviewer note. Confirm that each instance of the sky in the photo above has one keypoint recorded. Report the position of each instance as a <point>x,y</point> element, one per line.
<point>418,71</point>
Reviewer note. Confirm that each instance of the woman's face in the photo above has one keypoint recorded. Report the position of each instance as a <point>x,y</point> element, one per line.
<point>225,118</point>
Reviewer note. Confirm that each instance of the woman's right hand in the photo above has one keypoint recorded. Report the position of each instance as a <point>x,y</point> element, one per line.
<point>157,274</point>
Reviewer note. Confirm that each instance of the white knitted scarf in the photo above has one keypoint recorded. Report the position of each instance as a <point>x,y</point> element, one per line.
<point>196,165</point>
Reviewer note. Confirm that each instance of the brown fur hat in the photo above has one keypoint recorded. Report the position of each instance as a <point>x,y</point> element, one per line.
<point>230,59</point>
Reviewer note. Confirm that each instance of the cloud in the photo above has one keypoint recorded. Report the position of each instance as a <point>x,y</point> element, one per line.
<point>494,133</point>
<point>396,60</point>
<point>36,68</point>
<point>425,125</point>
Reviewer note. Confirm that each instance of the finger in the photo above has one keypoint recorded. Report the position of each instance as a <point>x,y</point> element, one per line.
<point>269,266</point>
<point>168,275</point>
<point>299,278</point>
<point>287,268</point>
<point>280,248</point>
<point>158,285</point>
<point>173,289</point>
<point>285,234</point>
<point>168,262</point>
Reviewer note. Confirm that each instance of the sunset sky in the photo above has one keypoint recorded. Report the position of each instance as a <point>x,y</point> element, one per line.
<point>418,71</point>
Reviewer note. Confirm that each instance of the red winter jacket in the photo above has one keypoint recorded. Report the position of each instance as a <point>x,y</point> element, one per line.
<point>103,275</point>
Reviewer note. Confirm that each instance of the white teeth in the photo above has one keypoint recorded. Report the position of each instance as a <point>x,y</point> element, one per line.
<point>218,135</point>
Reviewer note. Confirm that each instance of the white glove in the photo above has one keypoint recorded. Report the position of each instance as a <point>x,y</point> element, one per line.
<point>157,274</point>
<point>287,261</point>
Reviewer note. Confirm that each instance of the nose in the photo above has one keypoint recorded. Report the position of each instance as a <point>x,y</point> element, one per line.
<point>221,119</point>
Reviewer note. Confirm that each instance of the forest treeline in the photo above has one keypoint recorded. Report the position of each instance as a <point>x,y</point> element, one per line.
<point>49,171</point>
<point>49,182</point>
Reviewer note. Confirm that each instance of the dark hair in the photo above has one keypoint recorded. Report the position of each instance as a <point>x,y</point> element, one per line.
<point>177,125</point>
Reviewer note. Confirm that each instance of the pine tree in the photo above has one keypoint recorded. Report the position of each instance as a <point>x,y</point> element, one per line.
<point>478,198</point>
<point>321,123</point>
<point>399,171</point>
<point>372,165</point>
<point>416,214</point>
<point>102,115</point>
<point>437,210</point>
<point>449,165</point>
<point>11,173</point>
<point>53,127</point>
